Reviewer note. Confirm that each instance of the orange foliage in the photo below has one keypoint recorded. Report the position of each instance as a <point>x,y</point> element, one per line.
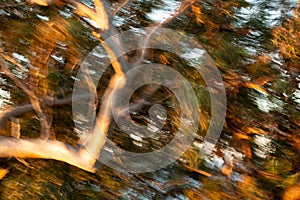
<point>292,192</point>
<point>198,14</point>
<point>3,173</point>
<point>250,130</point>
<point>256,87</point>
<point>287,37</point>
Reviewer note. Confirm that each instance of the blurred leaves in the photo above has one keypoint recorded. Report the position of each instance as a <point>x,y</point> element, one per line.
<point>243,48</point>
<point>287,39</point>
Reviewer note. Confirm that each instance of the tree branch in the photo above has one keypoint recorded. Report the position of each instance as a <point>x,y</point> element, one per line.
<point>86,156</point>
<point>50,149</point>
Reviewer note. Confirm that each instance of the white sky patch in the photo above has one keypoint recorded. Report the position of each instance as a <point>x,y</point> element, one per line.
<point>58,58</point>
<point>273,16</point>
<point>245,15</point>
<point>139,144</point>
<point>65,14</point>
<point>166,10</point>
<point>276,58</point>
<point>245,12</point>
<point>4,96</point>
<point>20,57</point>
<point>161,117</point>
<point>194,57</point>
<point>229,155</point>
<point>92,22</point>
<point>45,18</point>
<point>3,12</point>
<point>98,54</point>
<point>255,33</point>
<point>272,13</point>
<point>251,1</point>
<point>265,105</point>
<point>297,95</point>
<point>152,128</point>
<point>118,21</point>
<point>135,137</point>
<point>92,72</point>
<point>264,146</point>
<point>194,54</point>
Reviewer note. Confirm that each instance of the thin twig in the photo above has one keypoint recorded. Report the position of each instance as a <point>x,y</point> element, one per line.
<point>35,101</point>
<point>184,5</point>
<point>12,5</point>
<point>123,4</point>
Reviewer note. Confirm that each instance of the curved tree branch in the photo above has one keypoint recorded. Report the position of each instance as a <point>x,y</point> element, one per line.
<point>50,149</point>
<point>85,156</point>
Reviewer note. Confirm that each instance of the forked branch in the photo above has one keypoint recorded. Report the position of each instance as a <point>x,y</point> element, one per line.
<point>85,156</point>
<point>82,157</point>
